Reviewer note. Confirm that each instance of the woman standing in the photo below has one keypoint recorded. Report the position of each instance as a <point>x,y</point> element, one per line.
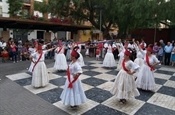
<point>40,77</point>
<point>14,52</point>
<point>73,93</point>
<point>109,60</point>
<point>60,59</point>
<point>124,86</point>
<point>145,79</point>
<point>32,50</point>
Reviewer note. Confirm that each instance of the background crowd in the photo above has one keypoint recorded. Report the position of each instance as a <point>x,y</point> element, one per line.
<point>19,51</point>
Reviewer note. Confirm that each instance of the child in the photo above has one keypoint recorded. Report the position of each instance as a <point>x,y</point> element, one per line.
<point>5,55</point>
<point>98,53</point>
<point>73,93</point>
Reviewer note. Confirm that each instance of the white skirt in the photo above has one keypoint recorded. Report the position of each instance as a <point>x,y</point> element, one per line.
<point>73,96</point>
<point>68,54</point>
<point>81,60</point>
<point>60,62</point>
<point>145,78</point>
<point>124,86</point>
<point>139,61</point>
<point>109,60</point>
<point>87,52</point>
<point>40,76</point>
<point>31,67</point>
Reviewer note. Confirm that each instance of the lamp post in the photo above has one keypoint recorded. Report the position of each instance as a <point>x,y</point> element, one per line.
<point>100,20</point>
<point>155,31</point>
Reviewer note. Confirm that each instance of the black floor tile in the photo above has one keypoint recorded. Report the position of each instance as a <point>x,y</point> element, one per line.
<point>172,78</point>
<point>24,82</point>
<point>149,109</point>
<point>93,81</point>
<point>103,110</point>
<point>60,73</point>
<point>110,68</point>
<point>165,72</point>
<point>113,72</point>
<point>89,63</point>
<point>89,67</point>
<point>160,81</point>
<point>91,73</point>
<point>145,95</point>
<point>58,82</point>
<point>167,90</point>
<point>98,95</point>
<point>51,96</point>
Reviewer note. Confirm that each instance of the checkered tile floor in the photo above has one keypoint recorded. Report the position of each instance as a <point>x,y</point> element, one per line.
<point>97,82</point>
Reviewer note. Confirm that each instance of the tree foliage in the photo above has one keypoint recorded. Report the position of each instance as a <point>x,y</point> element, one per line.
<point>15,7</point>
<point>125,14</point>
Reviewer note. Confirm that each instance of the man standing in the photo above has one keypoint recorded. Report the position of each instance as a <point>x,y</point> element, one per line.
<point>168,48</point>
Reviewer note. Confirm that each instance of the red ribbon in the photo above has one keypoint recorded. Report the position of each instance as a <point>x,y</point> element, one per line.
<point>37,60</point>
<point>147,61</point>
<point>123,65</point>
<point>59,50</point>
<point>69,79</point>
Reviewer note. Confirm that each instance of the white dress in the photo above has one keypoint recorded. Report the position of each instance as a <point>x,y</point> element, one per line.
<point>31,51</point>
<point>120,55</point>
<point>145,79</point>
<point>80,59</point>
<point>109,60</point>
<point>40,76</point>
<point>139,60</point>
<point>60,59</point>
<point>69,50</point>
<point>124,85</point>
<point>73,96</point>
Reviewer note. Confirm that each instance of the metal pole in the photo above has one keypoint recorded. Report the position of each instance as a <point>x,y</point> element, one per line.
<point>100,18</point>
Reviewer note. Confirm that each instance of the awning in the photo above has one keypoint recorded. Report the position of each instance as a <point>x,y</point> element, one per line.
<point>14,23</point>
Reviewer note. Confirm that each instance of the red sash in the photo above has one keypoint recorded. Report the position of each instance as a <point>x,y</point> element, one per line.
<point>147,61</point>
<point>59,50</point>
<point>37,60</point>
<point>123,65</point>
<point>69,79</point>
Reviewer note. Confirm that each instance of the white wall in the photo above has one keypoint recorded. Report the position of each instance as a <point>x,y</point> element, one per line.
<point>5,7</point>
<point>32,35</point>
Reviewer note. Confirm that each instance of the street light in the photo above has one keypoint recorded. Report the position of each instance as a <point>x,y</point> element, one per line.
<point>100,8</point>
<point>155,31</point>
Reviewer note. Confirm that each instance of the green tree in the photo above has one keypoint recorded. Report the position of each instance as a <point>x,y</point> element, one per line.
<point>42,7</point>
<point>15,7</point>
<point>125,14</point>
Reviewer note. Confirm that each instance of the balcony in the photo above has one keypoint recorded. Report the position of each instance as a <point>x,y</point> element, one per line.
<point>27,3</point>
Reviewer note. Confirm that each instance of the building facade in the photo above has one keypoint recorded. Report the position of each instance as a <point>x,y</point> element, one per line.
<point>28,9</point>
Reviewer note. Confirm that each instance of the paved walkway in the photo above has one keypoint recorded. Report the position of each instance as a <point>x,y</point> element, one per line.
<point>18,94</point>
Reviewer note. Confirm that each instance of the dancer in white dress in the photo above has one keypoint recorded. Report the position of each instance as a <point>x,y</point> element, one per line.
<point>40,77</point>
<point>32,50</point>
<point>121,50</point>
<point>145,79</point>
<point>60,59</point>
<point>69,50</point>
<point>73,93</point>
<point>80,59</point>
<point>124,86</point>
<point>109,60</point>
<point>139,60</point>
